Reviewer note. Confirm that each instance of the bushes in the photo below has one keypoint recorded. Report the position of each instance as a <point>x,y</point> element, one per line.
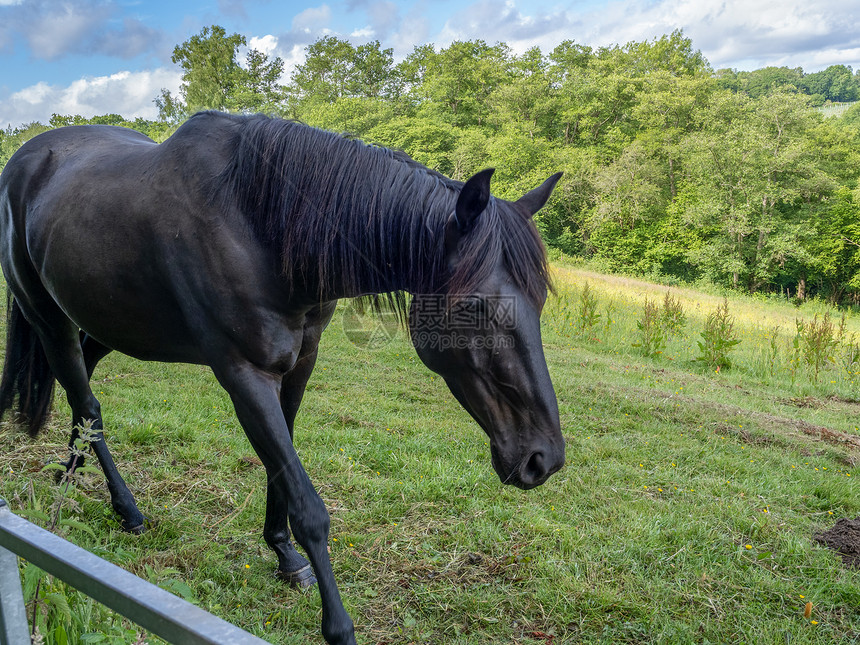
<point>749,335</point>
<point>718,338</point>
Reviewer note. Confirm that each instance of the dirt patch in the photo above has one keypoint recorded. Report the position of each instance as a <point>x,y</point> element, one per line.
<point>803,402</point>
<point>841,399</point>
<point>844,538</point>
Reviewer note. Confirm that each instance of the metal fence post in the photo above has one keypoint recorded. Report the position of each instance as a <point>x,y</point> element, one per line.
<point>156,610</point>
<point>13,613</point>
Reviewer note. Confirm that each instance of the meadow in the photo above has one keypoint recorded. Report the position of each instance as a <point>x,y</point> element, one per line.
<point>686,513</point>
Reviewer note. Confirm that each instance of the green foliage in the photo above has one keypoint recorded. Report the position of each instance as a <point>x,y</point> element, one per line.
<point>718,338</point>
<point>588,316</point>
<point>817,342</point>
<point>670,169</point>
<point>211,74</point>
<point>12,139</point>
<point>836,83</point>
<point>673,317</point>
<point>214,79</point>
<point>334,69</point>
<point>652,337</point>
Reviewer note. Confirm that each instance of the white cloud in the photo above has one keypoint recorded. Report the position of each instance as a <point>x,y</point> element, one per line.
<point>312,19</point>
<point>736,33</point>
<point>364,32</point>
<point>384,17</point>
<point>53,29</point>
<point>412,30</point>
<point>731,33</point>
<point>52,34</point>
<point>265,44</point>
<point>130,94</point>
<point>501,21</point>
<point>772,32</point>
<point>292,58</point>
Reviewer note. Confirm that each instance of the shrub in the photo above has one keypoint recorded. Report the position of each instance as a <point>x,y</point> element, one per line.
<point>652,337</point>
<point>818,343</point>
<point>587,312</point>
<point>718,338</point>
<point>674,317</point>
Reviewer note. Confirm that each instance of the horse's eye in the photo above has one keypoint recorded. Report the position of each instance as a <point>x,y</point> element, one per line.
<point>475,306</point>
<point>468,313</point>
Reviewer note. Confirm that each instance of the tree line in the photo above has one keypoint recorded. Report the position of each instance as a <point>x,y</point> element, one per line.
<point>672,170</point>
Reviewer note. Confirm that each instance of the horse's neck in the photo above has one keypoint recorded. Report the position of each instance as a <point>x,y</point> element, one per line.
<point>408,259</point>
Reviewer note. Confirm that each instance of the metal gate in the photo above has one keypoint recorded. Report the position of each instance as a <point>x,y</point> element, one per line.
<point>145,604</point>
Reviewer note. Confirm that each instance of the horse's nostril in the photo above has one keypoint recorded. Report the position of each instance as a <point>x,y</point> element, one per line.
<point>534,470</point>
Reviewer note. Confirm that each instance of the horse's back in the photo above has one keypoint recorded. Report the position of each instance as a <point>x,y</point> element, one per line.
<point>49,163</point>
<point>125,237</point>
<point>68,145</point>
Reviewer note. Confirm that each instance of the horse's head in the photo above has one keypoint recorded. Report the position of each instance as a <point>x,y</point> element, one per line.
<point>486,343</point>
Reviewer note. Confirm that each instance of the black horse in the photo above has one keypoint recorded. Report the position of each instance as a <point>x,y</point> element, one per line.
<point>228,245</point>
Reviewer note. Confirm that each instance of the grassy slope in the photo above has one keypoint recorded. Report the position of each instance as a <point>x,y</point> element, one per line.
<point>685,512</point>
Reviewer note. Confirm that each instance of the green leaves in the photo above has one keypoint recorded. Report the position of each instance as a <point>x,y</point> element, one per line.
<point>718,338</point>
<point>213,78</point>
<point>671,170</point>
<point>652,337</point>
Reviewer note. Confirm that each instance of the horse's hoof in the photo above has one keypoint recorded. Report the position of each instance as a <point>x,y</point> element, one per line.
<point>303,578</point>
<point>135,530</point>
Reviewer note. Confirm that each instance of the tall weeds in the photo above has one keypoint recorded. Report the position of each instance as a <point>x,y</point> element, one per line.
<point>673,315</point>
<point>818,343</point>
<point>718,338</point>
<point>652,337</point>
<point>587,314</point>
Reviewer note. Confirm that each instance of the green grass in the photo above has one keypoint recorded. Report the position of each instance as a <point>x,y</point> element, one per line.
<point>685,513</point>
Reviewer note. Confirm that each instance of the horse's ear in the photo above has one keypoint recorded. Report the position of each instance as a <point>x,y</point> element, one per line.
<point>535,199</point>
<point>472,201</point>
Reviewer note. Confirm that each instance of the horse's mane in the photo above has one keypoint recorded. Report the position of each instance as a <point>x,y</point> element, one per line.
<point>358,219</point>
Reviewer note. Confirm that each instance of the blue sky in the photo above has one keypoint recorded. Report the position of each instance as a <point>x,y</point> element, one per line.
<point>97,56</point>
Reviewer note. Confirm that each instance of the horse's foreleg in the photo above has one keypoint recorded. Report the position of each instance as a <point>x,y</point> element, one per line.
<point>255,397</point>
<point>292,567</point>
<point>121,498</point>
<point>122,501</point>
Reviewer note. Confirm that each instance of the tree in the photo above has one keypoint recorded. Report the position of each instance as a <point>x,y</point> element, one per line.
<point>12,139</point>
<point>767,79</point>
<point>412,72</point>
<point>259,89</point>
<point>458,80</point>
<point>752,180</point>
<point>569,71</point>
<point>211,75</point>
<point>673,54</point>
<point>836,83</point>
<point>528,98</point>
<point>834,249</point>
<point>335,69</point>
<point>170,109</point>
<point>213,78</point>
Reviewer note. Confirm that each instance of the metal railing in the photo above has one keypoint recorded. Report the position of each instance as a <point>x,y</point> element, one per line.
<point>147,605</point>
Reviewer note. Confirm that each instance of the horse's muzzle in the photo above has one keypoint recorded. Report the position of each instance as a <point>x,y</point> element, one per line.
<point>536,468</point>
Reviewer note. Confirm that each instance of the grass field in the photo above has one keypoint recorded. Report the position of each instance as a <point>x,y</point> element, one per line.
<point>685,514</point>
